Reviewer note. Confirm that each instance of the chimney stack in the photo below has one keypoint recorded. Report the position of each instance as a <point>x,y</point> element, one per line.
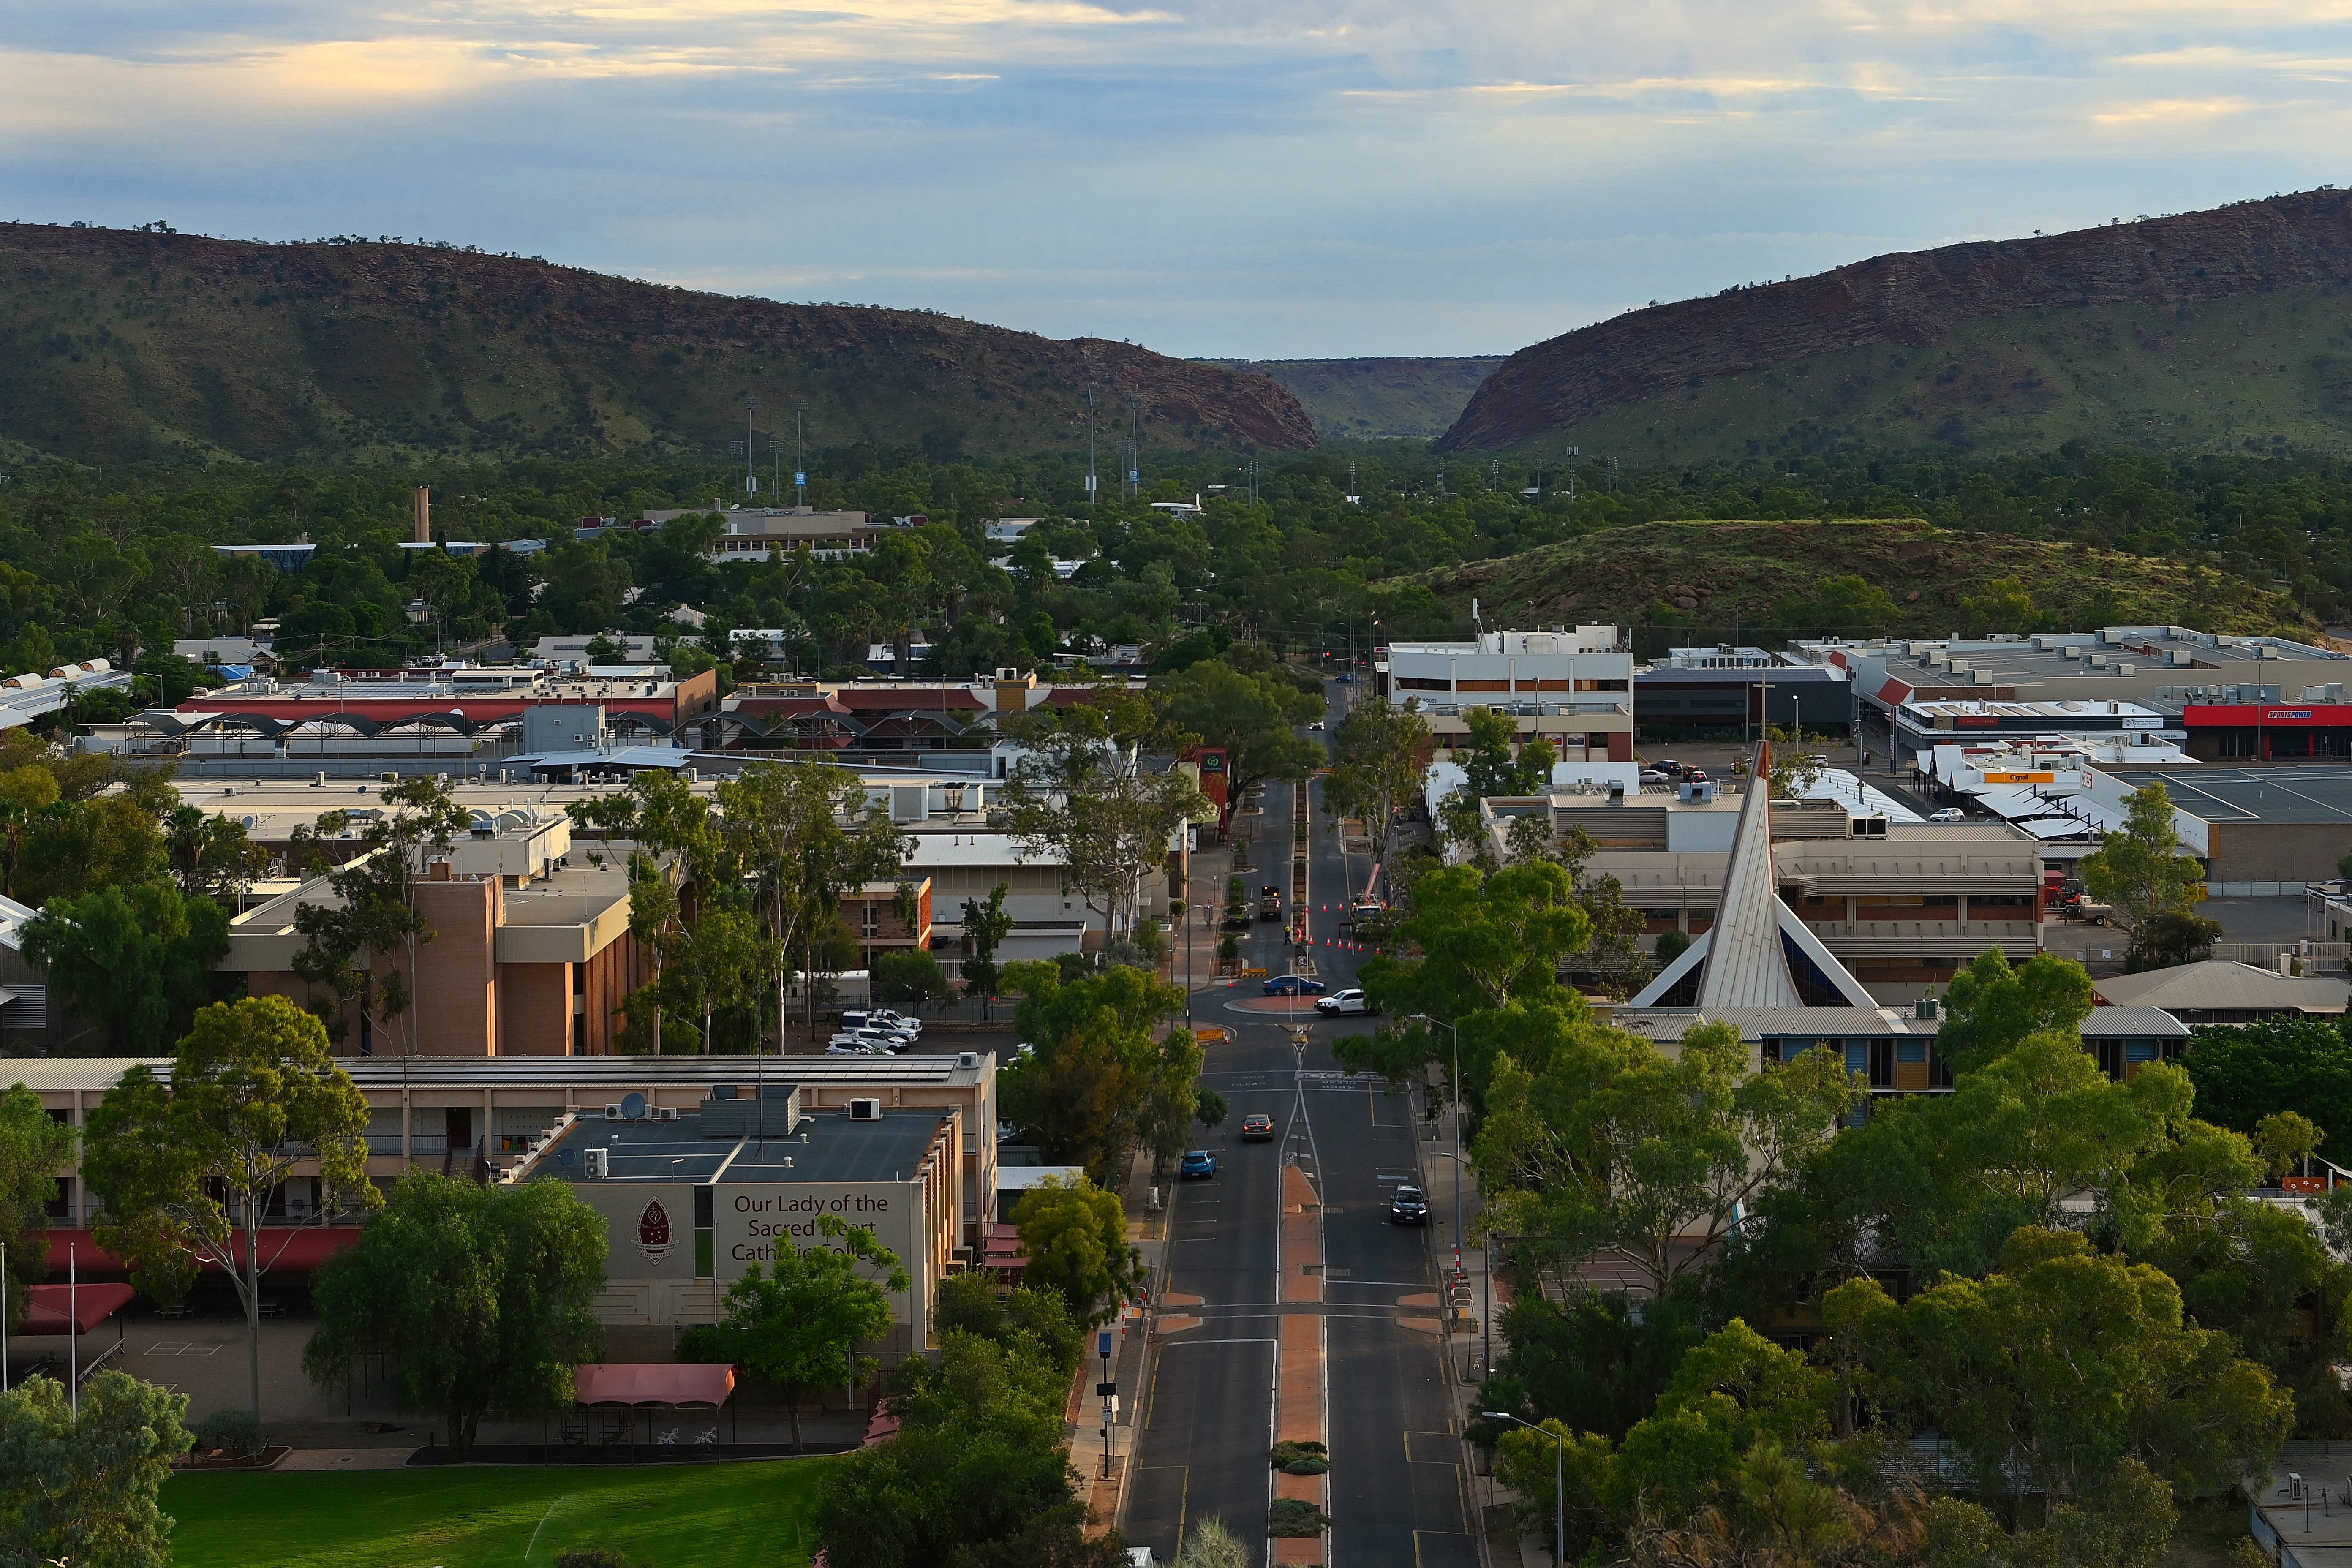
<point>424,515</point>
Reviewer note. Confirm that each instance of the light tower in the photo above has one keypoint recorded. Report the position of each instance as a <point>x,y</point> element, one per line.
<point>750,448</point>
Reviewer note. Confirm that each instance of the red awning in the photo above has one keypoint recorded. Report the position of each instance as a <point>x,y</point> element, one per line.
<point>54,1309</point>
<point>654,1382</point>
<point>296,1251</point>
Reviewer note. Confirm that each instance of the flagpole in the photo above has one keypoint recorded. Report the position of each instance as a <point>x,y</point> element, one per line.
<point>73,1332</point>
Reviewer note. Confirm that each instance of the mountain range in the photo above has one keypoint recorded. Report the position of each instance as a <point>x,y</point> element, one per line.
<point>129,345</point>
<point>2229,327</point>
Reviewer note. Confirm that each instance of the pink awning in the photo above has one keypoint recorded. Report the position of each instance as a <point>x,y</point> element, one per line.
<point>654,1382</point>
<point>48,1313</point>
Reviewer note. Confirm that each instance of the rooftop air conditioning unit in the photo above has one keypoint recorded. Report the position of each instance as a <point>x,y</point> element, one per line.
<point>967,1058</point>
<point>598,1163</point>
<point>2098,661</point>
<point>2126,670</point>
<point>664,1113</point>
<point>611,1113</point>
<point>865,1109</point>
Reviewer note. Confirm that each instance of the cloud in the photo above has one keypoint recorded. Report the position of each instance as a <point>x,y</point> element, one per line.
<point>1262,177</point>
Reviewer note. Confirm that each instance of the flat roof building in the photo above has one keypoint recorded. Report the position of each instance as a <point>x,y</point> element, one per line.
<point>1572,688</point>
<point>487,1114</point>
<point>695,1198</point>
<point>2161,667</point>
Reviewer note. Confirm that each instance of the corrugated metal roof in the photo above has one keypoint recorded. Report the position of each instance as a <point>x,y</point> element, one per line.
<point>2112,1023</point>
<point>2220,984</point>
<point>61,1075</point>
<point>1669,1024</point>
<point>1745,966</point>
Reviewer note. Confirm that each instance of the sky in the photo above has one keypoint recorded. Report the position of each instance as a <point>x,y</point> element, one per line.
<point>1259,179</point>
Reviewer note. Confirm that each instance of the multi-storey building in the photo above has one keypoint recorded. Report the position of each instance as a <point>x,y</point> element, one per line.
<point>1574,688</point>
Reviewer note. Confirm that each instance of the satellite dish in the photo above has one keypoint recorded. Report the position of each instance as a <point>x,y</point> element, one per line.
<point>633,1107</point>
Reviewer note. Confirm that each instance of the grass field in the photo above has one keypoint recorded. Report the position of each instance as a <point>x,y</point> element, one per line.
<point>752,1515</point>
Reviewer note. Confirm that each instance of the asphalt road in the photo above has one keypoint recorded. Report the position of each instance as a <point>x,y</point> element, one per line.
<point>1398,1491</point>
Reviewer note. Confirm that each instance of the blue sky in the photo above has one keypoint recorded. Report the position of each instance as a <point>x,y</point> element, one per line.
<point>1269,179</point>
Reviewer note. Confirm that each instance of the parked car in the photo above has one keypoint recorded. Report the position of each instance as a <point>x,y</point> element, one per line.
<point>1293,985</point>
<point>1950,814</point>
<point>1408,1206</point>
<point>1667,765</point>
<point>884,1023</point>
<point>1317,725</point>
<point>1257,1127</point>
<point>1349,1001</point>
<point>895,1019</point>
<point>1655,777</point>
<point>1198,1164</point>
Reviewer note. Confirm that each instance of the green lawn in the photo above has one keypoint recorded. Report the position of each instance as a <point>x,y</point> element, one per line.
<point>755,1515</point>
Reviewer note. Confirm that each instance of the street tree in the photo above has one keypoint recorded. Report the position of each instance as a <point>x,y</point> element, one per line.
<point>211,856</point>
<point>1617,1149</point>
<point>1102,1066</point>
<point>1092,789</point>
<point>1075,1234</point>
<point>804,836</point>
<point>719,968</point>
<point>473,1297</point>
<point>2246,1071</point>
<point>1378,756</point>
<point>1991,1007</point>
<point>187,1163</point>
<point>80,1487</point>
<point>910,977</point>
<point>1486,939</point>
<point>34,1148</point>
<point>1254,717</point>
<point>133,962</point>
<point>363,946</point>
<point>986,924</point>
<point>1496,762</point>
<point>2140,871</point>
<point>2049,1374</point>
<point>798,1323</point>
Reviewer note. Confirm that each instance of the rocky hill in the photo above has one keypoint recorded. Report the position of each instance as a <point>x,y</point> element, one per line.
<point>2195,330</point>
<point>1722,580</point>
<point>1374,398</point>
<point>118,345</point>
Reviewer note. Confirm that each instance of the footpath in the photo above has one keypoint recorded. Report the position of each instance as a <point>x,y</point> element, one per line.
<point>1467,1301</point>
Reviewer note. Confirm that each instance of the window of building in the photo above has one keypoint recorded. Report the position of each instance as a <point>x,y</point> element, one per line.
<point>1416,683</point>
<point>1584,684</point>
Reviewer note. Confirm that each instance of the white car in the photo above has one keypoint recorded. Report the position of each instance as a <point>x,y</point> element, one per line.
<point>882,1022</point>
<point>1950,814</point>
<point>1339,1002</point>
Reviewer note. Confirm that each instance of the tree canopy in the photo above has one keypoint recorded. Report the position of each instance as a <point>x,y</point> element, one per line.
<point>472,1298</point>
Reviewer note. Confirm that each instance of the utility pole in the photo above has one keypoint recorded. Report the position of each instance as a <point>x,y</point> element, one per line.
<point>800,464</point>
<point>750,448</point>
<point>1090,445</point>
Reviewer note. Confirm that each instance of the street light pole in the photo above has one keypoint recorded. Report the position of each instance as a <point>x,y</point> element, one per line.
<point>1558,1482</point>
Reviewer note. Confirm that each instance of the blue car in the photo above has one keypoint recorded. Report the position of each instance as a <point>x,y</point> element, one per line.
<point>1293,985</point>
<point>1198,1164</point>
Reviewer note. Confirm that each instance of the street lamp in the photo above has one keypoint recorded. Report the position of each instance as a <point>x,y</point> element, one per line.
<point>1453,1089</point>
<point>1559,1481</point>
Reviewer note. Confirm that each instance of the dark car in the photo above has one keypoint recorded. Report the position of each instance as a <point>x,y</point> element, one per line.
<point>1293,985</point>
<point>1257,1127</point>
<point>1196,1165</point>
<point>1408,1206</point>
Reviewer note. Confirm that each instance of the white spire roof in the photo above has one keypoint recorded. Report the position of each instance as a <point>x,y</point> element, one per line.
<point>1745,966</point>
